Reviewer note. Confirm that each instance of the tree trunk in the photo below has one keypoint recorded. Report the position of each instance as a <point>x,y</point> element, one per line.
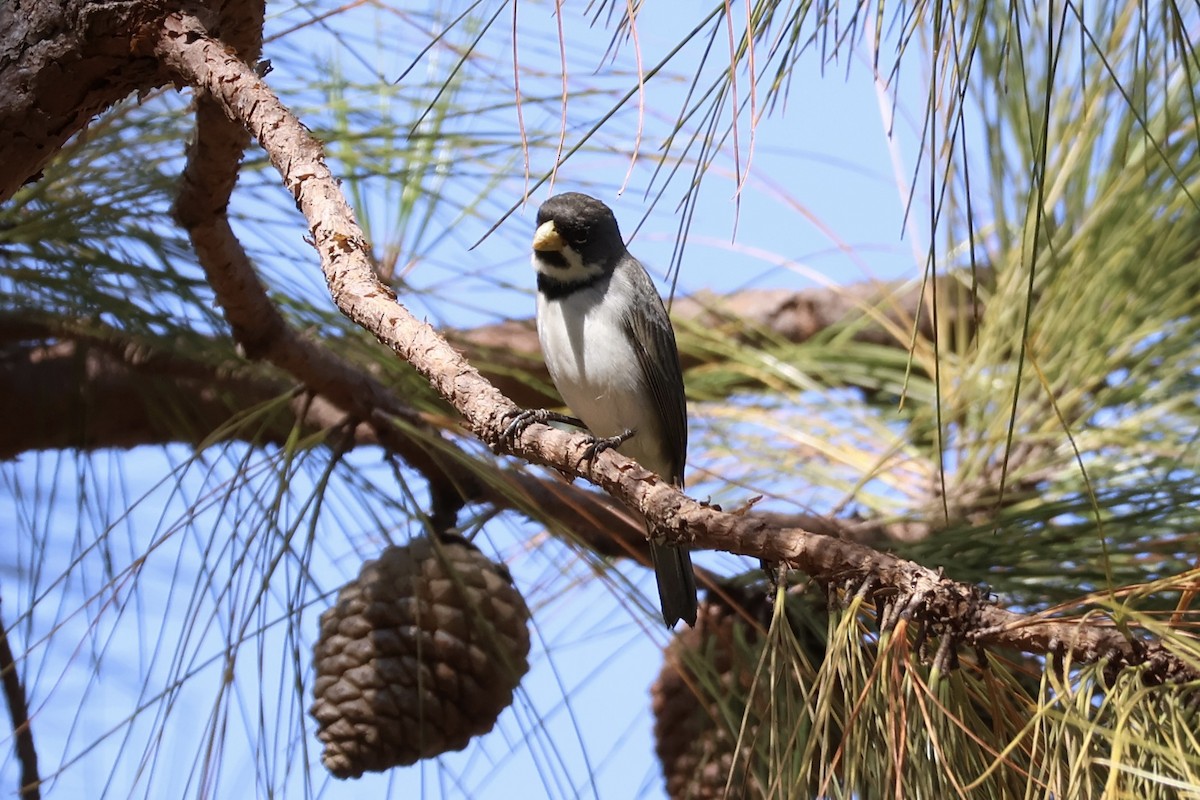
<point>62,62</point>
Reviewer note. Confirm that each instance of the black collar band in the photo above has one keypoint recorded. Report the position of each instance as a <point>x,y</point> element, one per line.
<point>553,289</point>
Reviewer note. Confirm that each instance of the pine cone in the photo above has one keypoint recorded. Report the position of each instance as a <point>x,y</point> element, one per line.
<point>706,696</point>
<point>698,701</point>
<point>421,652</point>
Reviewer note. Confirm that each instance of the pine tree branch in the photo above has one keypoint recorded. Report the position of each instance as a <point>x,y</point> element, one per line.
<point>961,610</point>
<point>69,394</point>
<point>213,160</point>
<point>60,65</point>
<point>507,353</point>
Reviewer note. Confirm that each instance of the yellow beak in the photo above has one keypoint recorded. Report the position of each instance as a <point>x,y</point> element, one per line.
<point>546,239</point>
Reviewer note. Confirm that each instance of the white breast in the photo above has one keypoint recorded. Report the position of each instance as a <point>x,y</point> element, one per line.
<point>593,364</point>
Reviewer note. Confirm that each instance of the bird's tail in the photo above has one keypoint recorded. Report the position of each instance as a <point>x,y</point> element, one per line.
<point>676,583</point>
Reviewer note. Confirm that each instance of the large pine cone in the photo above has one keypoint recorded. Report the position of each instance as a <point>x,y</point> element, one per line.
<point>697,701</point>
<point>421,652</point>
<point>706,696</point>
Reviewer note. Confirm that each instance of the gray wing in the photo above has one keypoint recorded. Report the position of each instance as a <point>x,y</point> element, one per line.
<point>658,357</point>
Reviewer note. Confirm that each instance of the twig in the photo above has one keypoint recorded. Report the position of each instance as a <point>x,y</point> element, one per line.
<point>18,709</point>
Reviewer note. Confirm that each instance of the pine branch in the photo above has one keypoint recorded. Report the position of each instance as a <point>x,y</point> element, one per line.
<point>73,394</point>
<point>202,209</point>
<point>960,610</point>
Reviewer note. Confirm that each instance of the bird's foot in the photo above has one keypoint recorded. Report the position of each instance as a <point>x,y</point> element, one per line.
<point>523,419</point>
<point>600,444</point>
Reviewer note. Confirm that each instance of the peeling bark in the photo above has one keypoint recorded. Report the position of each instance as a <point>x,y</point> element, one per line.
<point>61,64</point>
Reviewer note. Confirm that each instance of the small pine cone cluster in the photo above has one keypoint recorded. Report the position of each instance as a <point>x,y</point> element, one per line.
<point>698,701</point>
<point>421,652</point>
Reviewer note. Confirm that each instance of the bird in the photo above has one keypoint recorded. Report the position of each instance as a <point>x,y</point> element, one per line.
<point>610,350</point>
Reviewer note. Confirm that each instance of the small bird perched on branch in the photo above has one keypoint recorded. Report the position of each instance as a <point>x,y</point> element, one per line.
<point>611,352</point>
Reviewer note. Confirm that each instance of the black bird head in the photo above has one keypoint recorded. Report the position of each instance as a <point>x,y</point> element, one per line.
<point>577,240</point>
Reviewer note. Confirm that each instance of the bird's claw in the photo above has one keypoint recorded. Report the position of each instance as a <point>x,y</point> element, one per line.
<point>519,422</point>
<point>599,445</point>
<point>523,419</point>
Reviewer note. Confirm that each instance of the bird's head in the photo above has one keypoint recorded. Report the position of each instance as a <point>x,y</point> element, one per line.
<point>577,239</point>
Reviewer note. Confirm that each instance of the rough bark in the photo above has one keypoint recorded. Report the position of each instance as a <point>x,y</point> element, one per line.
<point>214,157</point>
<point>61,63</point>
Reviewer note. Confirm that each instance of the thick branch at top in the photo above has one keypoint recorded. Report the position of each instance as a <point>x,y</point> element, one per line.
<point>62,62</point>
<point>60,65</point>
